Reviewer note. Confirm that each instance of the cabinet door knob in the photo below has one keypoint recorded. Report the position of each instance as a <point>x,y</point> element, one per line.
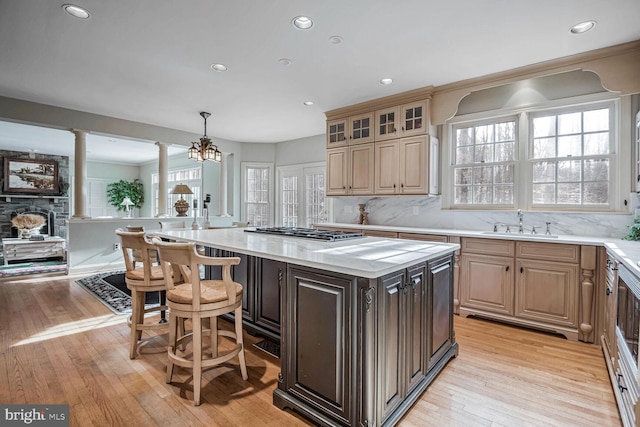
<point>521,270</point>
<point>507,269</point>
<point>609,291</point>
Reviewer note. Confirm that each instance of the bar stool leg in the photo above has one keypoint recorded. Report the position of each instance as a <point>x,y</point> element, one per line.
<point>173,327</point>
<point>240,340</point>
<point>137,317</point>
<point>197,358</point>
<point>214,336</point>
<point>163,302</point>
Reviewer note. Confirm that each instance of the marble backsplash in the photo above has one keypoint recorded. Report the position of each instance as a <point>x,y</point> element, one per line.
<point>425,212</point>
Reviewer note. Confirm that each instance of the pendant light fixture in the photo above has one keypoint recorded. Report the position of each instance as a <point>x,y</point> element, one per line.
<point>204,149</point>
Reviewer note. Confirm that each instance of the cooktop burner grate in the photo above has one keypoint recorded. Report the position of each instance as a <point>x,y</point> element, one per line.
<point>309,233</point>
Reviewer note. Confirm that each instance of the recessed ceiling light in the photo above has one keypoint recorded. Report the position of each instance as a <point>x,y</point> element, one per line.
<point>308,103</point>
<point>284,61</point>
<point>335,39</point>
<point>302,23</point>
<point>219,67</point>
<point>386,81</point>
<point>76,11</point>
<point>583,27</point>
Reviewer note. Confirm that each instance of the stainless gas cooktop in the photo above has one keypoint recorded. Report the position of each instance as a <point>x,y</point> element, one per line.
<point>309,233</point>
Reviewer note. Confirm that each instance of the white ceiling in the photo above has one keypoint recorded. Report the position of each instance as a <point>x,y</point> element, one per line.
<point>149,61</point>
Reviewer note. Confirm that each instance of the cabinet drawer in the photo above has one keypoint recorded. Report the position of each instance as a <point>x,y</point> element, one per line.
<point>348,230</point>
<point>424,237</point>
<point>488,246</point>
<point>548,251</point>
<point>380,233</point>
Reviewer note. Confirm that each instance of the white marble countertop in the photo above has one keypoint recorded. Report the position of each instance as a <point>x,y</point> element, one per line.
<point>627,252</point>
<point>368,257</point>
<point>563,238</point>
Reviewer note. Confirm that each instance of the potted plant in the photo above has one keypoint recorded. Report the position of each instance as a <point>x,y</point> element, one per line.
<point>118,191</point>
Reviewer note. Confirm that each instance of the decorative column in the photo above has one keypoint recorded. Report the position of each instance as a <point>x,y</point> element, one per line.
<point>223,185</point>
<point>588,267</point>
<point>456,275</point>
<point>80,171</point>
<point>163,176</point>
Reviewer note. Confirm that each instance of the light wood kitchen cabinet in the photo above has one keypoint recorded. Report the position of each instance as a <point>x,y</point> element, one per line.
<point>337,172</point>
<point>337,132</point>
<point>424,237</point>
<point>407,166</point>
<point>402,166</point>
<point>610,311</point>
<point>548,286</point>
<point>547,292</point>
<point>486,284</point>
<point>350,131</point>
<point>402,120</point>
<point>380,233</point>
<point>350,170</point>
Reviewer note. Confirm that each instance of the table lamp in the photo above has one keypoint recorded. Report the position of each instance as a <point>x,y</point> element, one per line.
<point>182,206</point>
<point>127,203</point>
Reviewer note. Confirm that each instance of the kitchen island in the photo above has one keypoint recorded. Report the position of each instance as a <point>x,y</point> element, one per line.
<point>366,324</point>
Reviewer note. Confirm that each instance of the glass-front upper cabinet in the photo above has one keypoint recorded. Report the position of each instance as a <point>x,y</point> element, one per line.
<point>414,120</point>
<point>401,121</point>
<point>361,129</point>
<point>387,123</point>
<point>337,133</point>
<point>350,131</point>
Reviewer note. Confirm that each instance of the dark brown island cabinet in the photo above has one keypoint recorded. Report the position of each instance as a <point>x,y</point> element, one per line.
<point>355,351</point>
<point>365,324</point>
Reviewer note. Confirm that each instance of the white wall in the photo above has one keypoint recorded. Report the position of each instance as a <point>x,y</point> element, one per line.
<point>305,150</point>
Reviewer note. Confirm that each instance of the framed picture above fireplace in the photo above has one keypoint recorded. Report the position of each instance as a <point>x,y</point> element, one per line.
<point>28,176</point>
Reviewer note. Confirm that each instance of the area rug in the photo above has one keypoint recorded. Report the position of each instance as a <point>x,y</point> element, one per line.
<point>27,268</point>
<point>111,289</point>
<point>269,347</point>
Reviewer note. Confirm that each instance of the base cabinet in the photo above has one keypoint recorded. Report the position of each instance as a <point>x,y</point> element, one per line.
<point>440,297</point>
<point>547,292</point>
<point>359,351</point>
<point>548,286</point>
<point>402,344</point>
<point>262,280</point>
<point>486,283</point>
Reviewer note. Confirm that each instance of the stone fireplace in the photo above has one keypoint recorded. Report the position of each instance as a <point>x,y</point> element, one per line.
<point>54,208</point>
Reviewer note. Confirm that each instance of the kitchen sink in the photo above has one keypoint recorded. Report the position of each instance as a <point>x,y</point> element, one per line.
<point>520,235</point>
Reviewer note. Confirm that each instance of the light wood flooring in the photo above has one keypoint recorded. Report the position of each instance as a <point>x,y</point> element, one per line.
<point>59,344</point>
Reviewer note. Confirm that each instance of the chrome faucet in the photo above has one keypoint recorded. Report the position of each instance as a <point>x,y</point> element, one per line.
<point>520,226</point>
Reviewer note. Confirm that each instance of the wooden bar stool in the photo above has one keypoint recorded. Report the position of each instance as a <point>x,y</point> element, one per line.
<point>197,300</point>
<point>140,280</point>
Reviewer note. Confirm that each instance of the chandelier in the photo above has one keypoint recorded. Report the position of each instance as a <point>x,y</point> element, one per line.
<point>204,149</point>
